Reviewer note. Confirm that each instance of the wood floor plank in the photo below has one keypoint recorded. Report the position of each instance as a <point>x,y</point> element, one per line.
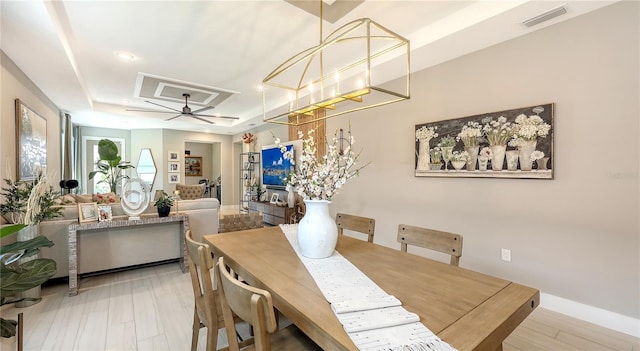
<point>151,308</point>
<point>582,342</point>
<point>145,309</point>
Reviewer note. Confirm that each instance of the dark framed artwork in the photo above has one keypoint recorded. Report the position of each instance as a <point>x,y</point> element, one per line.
<point>516,143</point>
<point>31,142</point>
<point>193,166</point>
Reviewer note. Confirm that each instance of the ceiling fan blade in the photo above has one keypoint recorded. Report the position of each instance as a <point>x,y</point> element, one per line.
<point>214,116</point>
<point>170,108</point>
<point>174,117</point>
<point>203,109</point>
<point>136,110</point>
<point>202,119</point>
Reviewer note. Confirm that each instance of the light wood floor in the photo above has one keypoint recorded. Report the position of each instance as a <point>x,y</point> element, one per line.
<point>152,309</point>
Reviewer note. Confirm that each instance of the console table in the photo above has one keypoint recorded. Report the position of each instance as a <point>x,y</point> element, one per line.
<point>74,228</point>
<point>272,214</point>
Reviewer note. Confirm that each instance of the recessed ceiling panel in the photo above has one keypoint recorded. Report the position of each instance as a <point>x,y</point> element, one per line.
<point>166,89</point>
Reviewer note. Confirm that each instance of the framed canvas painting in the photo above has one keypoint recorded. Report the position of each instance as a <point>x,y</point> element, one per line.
<point>31,140</point>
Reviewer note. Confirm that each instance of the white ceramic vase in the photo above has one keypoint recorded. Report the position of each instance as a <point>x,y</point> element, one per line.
<point>524,155</point>
<point>423,155</point>
<point>473,157</point>
<point>291,198</point>
<point>497,158</point>
<point>317,230</point>
<point>512,160</point>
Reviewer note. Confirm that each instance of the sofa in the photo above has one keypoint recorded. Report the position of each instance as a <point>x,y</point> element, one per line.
<point>113,248</point>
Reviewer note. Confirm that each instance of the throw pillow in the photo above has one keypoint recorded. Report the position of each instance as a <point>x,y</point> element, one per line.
<point>106,198</point>
<point>84,198</point>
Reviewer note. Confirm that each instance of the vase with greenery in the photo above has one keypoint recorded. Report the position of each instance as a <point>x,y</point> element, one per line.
<point>110,165</point>
<point>27,203</point>
<point>164,203</point>
<point>446,145</point>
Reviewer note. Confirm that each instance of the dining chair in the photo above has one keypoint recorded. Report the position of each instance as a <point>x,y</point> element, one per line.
<point>357,224</point>
<point>207,311</point>
<point>436,240</point>
<point>255,307</point>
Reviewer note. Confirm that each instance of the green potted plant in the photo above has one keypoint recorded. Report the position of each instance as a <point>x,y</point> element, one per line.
<point>16,277</point>
<point>164,203</point>
<point>110,165</point>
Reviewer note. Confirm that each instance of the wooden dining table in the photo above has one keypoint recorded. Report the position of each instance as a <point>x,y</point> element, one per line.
<point>467,309</point>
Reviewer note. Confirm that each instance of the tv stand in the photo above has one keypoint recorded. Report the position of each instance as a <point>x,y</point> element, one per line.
<point>272,214</point>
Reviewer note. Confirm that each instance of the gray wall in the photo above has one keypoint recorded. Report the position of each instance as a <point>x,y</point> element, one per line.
<point>577,236</point>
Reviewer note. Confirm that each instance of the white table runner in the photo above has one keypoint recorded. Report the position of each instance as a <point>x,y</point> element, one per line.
<point>374,320</point>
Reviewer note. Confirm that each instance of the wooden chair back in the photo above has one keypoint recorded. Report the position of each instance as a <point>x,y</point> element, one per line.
<point>207,307</point>
<point>242,221</point>
<point>436,240</point>
<point>357,224</point>
<point>252,305</point>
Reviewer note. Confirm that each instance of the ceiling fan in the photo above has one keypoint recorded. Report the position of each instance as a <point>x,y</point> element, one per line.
<point>186,111</point>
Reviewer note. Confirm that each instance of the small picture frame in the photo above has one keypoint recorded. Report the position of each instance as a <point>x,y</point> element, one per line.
<point>274,198</point>
<point>104,213</point>
<point>173,156</point>
<point>87,212</point>
<point>174,178</point>
<point>174,167</point>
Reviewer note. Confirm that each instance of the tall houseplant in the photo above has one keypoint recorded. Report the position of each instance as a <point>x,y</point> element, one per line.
<point>110,165</point>
<point>27,203</point>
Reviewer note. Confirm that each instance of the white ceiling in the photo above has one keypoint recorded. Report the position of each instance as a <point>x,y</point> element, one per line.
<point>67,48</point>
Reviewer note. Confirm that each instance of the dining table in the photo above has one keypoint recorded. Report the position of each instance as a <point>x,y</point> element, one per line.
<point>467,309</point>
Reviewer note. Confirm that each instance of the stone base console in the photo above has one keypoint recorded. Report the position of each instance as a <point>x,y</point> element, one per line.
<point>126,255</point>
<point>117,244</point>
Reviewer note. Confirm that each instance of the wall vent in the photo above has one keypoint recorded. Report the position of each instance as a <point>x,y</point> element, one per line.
<point>545,16</point>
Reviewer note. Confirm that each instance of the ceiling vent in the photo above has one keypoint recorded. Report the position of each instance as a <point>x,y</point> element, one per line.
<point>545,16</point>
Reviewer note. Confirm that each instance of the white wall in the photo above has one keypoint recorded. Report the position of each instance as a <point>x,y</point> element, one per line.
<point>577,236</point>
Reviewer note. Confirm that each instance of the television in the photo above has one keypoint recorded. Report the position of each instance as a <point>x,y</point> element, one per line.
<point>275,167</point>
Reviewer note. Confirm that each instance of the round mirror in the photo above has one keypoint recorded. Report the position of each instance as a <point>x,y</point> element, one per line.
<point>146,168</point>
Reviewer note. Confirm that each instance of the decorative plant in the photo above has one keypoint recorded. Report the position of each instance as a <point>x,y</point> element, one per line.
<point>471,134</point>
<point>426,133</point>
<point>436,155</point>
<point>530,128</point>
<point>315,179</point>
<point>460,156</point>
<point>447,141</point>
<point>110,165</point>
<point>498,132</point>
<point>537,155</point>
<point>29,202</point>
<point>248,138</point>
<point>485,153</point>
<point>164,201</point>
<point>16,277</point>
<point>260,190</point>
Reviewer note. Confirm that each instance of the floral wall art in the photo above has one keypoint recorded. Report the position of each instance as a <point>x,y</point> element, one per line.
<point>515,143</point>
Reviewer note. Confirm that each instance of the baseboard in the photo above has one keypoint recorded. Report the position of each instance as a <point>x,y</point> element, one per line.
<point>595,315</point>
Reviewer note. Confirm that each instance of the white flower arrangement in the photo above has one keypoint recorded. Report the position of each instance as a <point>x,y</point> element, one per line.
<point>447,141</point>
<point>460,156</point>
<point>426,133</point>
<point>530,128</point>
<point>436,155</point>
<point>537,155</point>
<point>470,134</point>
<point>498,132</point>
<point>485,153</point>
<point>315,179</point>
